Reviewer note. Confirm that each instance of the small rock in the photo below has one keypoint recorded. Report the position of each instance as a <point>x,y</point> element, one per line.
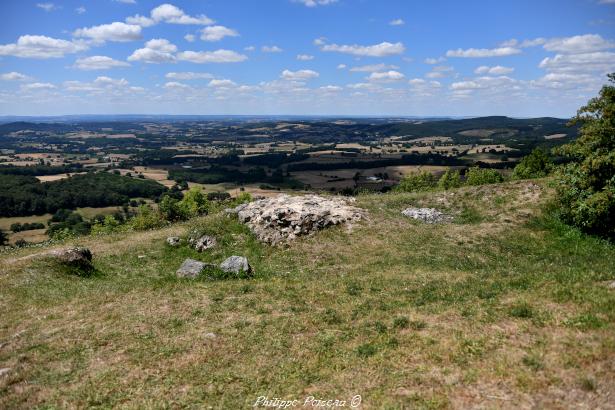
<point>611,285</point>
<point>77,256</point>
<point>141,256</point>
<point>210,336</point>
<point>191,269</point>
<point>173,241</point>
<point>5,371</point>
<point>427,215</point>
<point>236,265</point>
<point>204,243</point>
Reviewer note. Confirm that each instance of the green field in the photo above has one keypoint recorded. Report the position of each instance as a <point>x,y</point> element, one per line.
<point>503,308</point>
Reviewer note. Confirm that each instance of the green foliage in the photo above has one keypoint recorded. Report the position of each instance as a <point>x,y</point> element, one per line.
<point>482,176</point>
<point>194,203</point>
<point>108,225</point>
<point>586,185</point>
<point>449,180</point>
<point>19,227</point>
<point>536,165</point>
<point>415,182</point>
<point>4,239</point>
<point>170,210</point>
<point>72,225</point>
<point>146,219</point>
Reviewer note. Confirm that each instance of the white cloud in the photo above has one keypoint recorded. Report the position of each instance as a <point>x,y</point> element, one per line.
<point>602,61</point>
<point>496,70</point>
<point>156,51</point>
<point>493,84</point>
<point>190,38</point>
<point>139,20</point>
<point>440,71</point>
<point>566,81</point>
<point>189,75</point>
<point>112,82</point>
<point>14,76</point>
<point>169,13</point>
<point>174,85</point>
<point>38,86</point>
<point>304,57</point>
<point>330,88</point>
<point>432,61</point>
<point>300,75</point>
<point>370,68</point>
<point>578,44</point>
<point>217,33</point>
<point>271,49</point>
<point>222,83</point>
<point>417,82</point>
<point>47,6</point>
<point>29,46</point>
<point>80,10</point>
<point>397,22</point>
<point>218,56</point>
<point>378,50</point>
<point>98,63</point>
<point>314,3</point>
<point>115,31</point>
<point>341,66</point>
<point>386,76</point>
<point>483,52</point>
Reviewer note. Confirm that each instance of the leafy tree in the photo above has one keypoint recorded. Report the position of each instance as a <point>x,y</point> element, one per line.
<point>422,181</point>
<point>4,239</point>
<point>586,185</point>
<point>450,179</point>
<point>146,219</point>
<point>170,209</point>
<point>482,176</point>
<point>194,203</point>
<point>537,164</point>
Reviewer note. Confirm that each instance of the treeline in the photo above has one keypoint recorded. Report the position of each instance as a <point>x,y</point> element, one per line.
<point>217,175</point>
<point>34,170</point>
<point>410,159</point>
<point>22,195</point>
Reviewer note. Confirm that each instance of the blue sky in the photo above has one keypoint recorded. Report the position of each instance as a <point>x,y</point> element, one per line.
<point>335,57</point>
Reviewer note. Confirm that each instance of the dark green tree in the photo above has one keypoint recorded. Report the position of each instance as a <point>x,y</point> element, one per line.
<point>586,185</point>
<point>4,239</point>
<point>537,164</point>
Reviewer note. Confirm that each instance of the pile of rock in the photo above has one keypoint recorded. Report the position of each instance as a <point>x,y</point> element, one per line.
<point>427,215</point>
<point>77,257</point>
<point>284,217</point>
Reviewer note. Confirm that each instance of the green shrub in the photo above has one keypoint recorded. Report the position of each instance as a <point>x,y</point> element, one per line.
<point>415,182</point>
<point>536,165</point>
<point>146,219</point>
<point>449,180</point>
<point>482,176</point>
<point>586,186</point>
<point>194,203</point>
<point>108,225</point>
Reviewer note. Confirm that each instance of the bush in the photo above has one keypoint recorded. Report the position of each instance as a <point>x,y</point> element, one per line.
<point>586,186</point>
<point>146,219</point>
<point>194,203</point>
<point>4,239</point>
<point>482,176</point>
<point>423,181</point>
<point>449,180</point>
<point>108,225</point>
<point>536,165</point>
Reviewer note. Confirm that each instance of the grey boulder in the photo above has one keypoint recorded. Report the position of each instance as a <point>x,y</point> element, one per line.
<point>75,256</point>
<point>191,268</point>
<point>236,265</point>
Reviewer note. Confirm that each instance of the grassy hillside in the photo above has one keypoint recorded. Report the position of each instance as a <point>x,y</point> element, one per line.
<point>502,308</point>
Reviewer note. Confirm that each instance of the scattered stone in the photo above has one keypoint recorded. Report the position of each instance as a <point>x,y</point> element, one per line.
<point>611,285</point>
<point>140,256</point>
<point>191,269</point>
<point>173,241</point>
<point>204,243</point>
<point>5,371</point>
<point>210,336</point>
<point>76,257</point>
<point>427,215</point>
<point>284,217</point>
<point>236,265</point>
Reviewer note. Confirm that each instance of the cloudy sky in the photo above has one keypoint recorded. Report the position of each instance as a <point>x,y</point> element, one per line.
<point>348,57</point>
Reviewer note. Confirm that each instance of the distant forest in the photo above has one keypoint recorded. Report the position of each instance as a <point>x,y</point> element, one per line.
<point>22,195</point>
